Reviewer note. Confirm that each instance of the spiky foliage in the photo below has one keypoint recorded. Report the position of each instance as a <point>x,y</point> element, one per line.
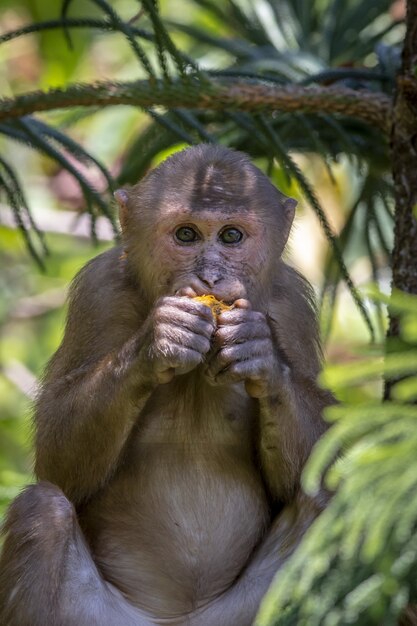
<point>358,563</point>
<point>273,51</point>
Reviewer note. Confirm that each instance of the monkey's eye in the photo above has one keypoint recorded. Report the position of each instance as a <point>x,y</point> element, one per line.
<point>231,235</point>
<point>186,234</point>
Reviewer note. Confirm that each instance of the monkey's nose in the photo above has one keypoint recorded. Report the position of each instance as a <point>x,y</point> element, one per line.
<point>209,279</point>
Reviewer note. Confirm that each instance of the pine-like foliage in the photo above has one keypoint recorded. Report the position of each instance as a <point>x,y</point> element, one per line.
<point>358,562</point>
<point>327,46</point>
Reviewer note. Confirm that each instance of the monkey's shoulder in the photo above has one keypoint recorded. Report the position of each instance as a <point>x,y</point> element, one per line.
<point>290,283</point>
<point>104,276</point>
<point>105,269</point>
<point>102,295</point>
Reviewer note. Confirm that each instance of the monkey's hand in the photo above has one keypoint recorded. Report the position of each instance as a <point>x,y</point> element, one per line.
<point>243,350</point>
<point>180,336</point>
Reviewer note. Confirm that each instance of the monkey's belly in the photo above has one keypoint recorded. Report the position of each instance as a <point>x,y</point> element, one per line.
<point>186,532</point>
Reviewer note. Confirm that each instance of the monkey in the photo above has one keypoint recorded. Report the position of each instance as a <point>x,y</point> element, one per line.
<point>170,442</point>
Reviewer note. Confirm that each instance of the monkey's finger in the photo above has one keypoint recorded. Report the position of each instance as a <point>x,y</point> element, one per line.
<point>184,312</point>
<point>184,324</point>
<point>169,339</point>
<point>241,333</point>
<point>243,370</point>
<point>186,291</point>
<point>247,353</point>
<point>193,307</point>
<point>178,360</point>
<point>240,316</point>
<point>242,303</point>
<point>186,360</point>
<point>172,303</point>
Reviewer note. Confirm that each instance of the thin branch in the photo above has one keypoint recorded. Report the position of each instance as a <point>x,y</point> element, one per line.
<point>371,107</point>
<point>25,380</point>
<point>61,223</point>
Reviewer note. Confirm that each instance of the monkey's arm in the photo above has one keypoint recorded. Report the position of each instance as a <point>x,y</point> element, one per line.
<point>277,356</point>
<point>291,413</point>
<point>94,387</point>
<point>112,357</point>
<point>290,423</point>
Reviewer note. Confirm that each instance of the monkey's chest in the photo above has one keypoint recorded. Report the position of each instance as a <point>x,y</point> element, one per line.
<point>189,514</point>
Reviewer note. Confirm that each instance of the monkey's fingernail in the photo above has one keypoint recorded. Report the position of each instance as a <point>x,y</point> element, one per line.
<point>186,291</point>
<point>242,303</point>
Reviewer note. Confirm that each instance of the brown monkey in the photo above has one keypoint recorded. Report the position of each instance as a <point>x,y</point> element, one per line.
<point>172,442</point>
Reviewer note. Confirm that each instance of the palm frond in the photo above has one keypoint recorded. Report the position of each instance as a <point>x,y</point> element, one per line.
<point>123,26</point>
<point>71,22</point>
<point>168,122</point>
<point>73,147</point>
<point>16,198</point>
<point>289,164</point>
<point>92,196</point>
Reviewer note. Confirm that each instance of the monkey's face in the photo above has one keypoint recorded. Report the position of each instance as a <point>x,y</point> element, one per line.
<point>210,252</point>
<point>205,220</point>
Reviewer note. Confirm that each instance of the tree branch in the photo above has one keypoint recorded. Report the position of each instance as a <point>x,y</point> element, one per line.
<point>368,106</point>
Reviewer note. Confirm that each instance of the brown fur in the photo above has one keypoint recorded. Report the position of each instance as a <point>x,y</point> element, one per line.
<point>179,443</point>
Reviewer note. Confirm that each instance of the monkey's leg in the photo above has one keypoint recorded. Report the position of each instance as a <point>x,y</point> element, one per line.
<point>47,574</point>
<point>239,605</point>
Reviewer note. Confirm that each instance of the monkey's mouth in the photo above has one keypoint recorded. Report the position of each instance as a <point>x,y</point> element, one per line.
<point>189,292</point>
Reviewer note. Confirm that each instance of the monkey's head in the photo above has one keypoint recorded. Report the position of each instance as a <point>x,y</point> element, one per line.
<point>208,220</point>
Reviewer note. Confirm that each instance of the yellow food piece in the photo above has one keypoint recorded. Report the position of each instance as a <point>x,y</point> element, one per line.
<point>216,306</point>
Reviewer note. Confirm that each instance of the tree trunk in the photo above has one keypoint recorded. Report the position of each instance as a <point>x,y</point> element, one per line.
<point>404,160</point>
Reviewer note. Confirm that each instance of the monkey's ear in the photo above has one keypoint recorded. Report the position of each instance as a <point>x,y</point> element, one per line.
<point>122,197</point>
<point>289,208</point>
<point>289,212</point>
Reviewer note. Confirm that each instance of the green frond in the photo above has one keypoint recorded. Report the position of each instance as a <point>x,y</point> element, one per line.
<point>343,74</point>
<point>289,164</point>
<point>238,73</point>
<point>191,121</point>
<point>165,43</point>
<point>242,21</point>
<point>372,253</point>
<point>213,7</point>
<point>9,183</point>
<point>122,26</point>
<point>168,122</point>
<point>69,23</point>
<point>375,223</point>
<point>91,195</point>
<point>238,48</point>
<point>354,372</point>
<point>161,40</point>
<point>345,143</point>
<point>314,139</point>
<point>358,562</point>
<point>73,147</point>
<point>139,156</point>
<point>332,271</point>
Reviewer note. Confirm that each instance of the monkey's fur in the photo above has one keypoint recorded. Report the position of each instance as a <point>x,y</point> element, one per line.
<point>168,447</point>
